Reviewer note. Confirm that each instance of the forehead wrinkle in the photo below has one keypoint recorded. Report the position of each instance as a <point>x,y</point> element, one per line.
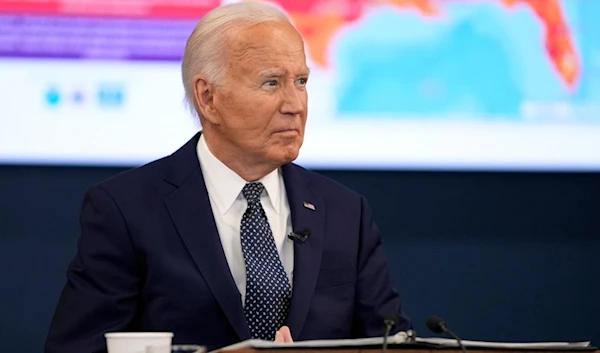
<point>260,61</point>
<point>251,51</point>
<point>247,50</point>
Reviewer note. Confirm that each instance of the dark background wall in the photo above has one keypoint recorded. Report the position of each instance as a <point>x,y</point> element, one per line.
<point>501,256</point>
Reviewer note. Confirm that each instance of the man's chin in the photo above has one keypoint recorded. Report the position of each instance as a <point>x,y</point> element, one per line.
<point>287,156</point>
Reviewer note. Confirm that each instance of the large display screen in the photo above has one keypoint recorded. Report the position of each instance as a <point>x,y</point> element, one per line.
<point>395,84</point>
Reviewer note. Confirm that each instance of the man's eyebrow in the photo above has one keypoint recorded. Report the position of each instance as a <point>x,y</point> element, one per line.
<point>272,73</point>
<point>305,72</point>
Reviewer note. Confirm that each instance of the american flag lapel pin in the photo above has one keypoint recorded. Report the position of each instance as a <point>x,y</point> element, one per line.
<point>309,205</point>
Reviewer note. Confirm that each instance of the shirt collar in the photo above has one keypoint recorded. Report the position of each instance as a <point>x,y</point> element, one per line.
<point>226,186</point>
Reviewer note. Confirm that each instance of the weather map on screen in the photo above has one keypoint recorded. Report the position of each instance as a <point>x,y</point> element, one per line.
<point>476,59</point>
<point>400,84</point>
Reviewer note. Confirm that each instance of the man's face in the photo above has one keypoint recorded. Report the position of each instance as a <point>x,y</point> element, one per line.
<point>261,106</point>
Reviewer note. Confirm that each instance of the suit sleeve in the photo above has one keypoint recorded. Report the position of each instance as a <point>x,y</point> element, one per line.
<point>103,281</point>
<point>376,297</point>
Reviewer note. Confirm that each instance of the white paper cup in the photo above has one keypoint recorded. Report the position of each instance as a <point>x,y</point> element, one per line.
<point>137,342</point>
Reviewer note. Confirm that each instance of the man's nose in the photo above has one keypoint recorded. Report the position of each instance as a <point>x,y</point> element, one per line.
<point>292,101</point>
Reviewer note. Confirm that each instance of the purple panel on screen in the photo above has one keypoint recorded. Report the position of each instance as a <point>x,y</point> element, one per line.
<point>92,38</point>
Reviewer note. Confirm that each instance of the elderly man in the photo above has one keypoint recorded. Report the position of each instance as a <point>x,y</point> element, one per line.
<point>226,239</point>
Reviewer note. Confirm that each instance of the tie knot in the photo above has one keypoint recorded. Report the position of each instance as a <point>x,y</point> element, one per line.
<point>252,191</point>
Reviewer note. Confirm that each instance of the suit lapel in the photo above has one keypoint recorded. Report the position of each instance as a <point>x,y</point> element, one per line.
<point>190,211</point>
<point>308,212</point>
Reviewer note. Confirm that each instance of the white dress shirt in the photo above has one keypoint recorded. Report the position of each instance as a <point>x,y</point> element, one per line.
<point>228,204</point>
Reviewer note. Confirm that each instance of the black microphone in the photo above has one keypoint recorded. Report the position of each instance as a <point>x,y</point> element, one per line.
<point>438,325</point>
<point>389,322</point>
<point>300,237</point>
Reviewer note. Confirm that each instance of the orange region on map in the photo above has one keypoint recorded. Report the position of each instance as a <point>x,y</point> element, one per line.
<point>320,20</point>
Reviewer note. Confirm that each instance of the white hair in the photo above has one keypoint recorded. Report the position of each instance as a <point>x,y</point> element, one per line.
<point>204,50</point>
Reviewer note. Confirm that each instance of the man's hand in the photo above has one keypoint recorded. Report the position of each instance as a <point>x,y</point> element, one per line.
<point>284,335</point>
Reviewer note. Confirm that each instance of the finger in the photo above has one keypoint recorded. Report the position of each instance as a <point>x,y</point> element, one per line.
<point>278,337</point>
<point>286,334</point>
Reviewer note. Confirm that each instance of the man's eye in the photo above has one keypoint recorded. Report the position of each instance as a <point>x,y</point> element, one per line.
<point>271,83</point>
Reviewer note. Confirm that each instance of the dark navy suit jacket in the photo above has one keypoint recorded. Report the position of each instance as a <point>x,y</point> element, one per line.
<point>150,259</point>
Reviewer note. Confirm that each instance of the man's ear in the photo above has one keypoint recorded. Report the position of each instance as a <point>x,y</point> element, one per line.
<point>204,99</point>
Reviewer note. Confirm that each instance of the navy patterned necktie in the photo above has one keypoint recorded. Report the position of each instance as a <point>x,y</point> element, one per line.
<point>268,290</point>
